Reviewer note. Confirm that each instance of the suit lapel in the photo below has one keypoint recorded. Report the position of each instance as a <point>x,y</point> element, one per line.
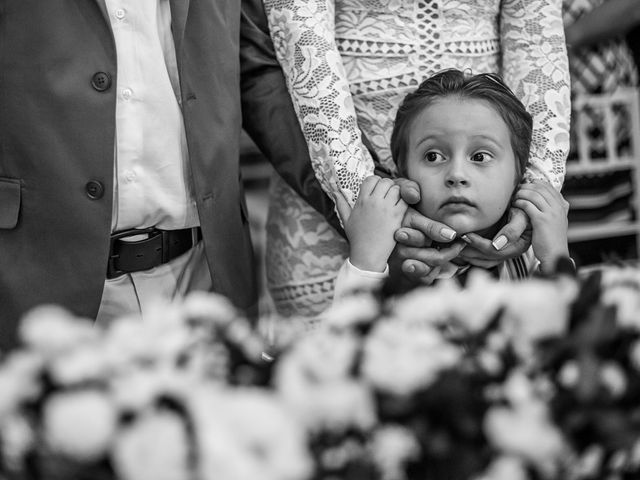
<point>179,11</point>
<point>103,8</point>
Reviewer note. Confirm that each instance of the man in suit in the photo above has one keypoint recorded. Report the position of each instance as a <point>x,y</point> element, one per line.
<point>119,145</point>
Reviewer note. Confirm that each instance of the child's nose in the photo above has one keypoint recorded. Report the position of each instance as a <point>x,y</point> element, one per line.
<point>456,175</point>
<point>457,182</point>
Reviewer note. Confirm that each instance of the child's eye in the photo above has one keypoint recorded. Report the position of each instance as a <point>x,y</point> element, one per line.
<point>480,157</point>
<point>433,157</point>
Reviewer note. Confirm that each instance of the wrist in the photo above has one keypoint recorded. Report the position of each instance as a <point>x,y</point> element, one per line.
<point>549,262</point>
<point>368,263</point>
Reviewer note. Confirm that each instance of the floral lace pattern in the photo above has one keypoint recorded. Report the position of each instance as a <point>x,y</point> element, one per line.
<point>304,254</point>
<point>349,64</point>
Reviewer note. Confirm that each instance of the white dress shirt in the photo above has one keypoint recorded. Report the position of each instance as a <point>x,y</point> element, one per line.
<point>152,179</point>
<point>152,176</point>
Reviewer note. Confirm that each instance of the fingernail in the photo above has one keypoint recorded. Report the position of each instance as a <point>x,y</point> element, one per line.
<point>402,236</point>
<point>411,268</point>
<point>465,238</point>
<point>500,242</point>
<point>448,233</point>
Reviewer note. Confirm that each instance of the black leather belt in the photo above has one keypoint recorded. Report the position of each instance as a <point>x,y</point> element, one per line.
<point>158,247</point>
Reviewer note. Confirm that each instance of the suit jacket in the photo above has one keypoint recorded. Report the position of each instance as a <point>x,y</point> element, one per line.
<point>57,123</point>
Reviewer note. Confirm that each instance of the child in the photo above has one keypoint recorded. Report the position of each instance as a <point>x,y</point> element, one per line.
<point>465,140</point>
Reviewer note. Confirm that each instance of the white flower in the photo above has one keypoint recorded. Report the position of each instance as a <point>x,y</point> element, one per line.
<point>313,379</point>
<point>247,433</point>
<point>569,374</point>
<point>526,432</point>
<point>401,360</point>
<point>478,303</point>
<point>539,308</point>
<point>613,378</point>
<point>497,341</point>
<point>138,387</point>
<point>51,329</point>
<point>536,309</point>
<point>589,463</point>
<point>157,338</point>
<point>470,308</point>
<point>518,389</point>
<point>490,362</point>
<point>80,424</point>
<point>505,467</point>
<point>19,381</point>
<point>209,307</point>
<point>621,288</point>
<point>322,356</point>
<point>391,448</point>
<point>81,364</point>
<point>335,457</point>
<point>426,305</point>
<point>126,342</point>
<point>350,311</point>
<point>241,333</point>
<point>618,461</point>
<point>155,447</point>
<point>335,406</point>
<point>166,330</point>
<point>17,438</point>
<point>634,455</point>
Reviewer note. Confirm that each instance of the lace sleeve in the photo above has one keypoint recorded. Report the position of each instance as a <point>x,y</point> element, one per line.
<point>535,65</point>
<point>303,33</point>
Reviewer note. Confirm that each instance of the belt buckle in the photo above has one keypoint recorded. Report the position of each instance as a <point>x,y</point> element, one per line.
<point>112,271</point>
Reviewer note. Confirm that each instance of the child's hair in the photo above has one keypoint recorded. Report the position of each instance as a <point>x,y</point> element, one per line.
<point>452,82</point>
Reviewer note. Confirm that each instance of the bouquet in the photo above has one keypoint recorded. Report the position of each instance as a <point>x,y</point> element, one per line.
<point>532,380</point>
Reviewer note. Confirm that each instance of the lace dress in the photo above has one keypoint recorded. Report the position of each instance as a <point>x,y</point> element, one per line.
<point>349,64</point>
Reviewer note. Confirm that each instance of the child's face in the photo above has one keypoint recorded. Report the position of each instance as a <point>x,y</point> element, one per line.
<point>460,154</point>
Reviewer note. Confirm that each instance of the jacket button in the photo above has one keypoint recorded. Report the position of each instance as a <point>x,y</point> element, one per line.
<point>94,189</point>
<point>101,81</point>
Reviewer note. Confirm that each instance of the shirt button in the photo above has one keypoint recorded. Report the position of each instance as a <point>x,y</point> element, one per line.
<point>130,175</point>
<point>120,13</point>
<point>94,189</point>
<point>127,93</point>
<point>101,81</point>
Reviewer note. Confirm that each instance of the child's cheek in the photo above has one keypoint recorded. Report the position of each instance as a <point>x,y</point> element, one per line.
<point>428,209</point>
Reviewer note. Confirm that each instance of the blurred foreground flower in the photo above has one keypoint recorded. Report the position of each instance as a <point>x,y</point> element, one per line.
<point>538,380</point>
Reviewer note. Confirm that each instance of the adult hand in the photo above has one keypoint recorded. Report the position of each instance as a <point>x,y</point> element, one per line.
<point>409,190</point>
<point>426,263</point>
<point>419,260</point>
<point>418,230</point>
<point>512,240</point>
